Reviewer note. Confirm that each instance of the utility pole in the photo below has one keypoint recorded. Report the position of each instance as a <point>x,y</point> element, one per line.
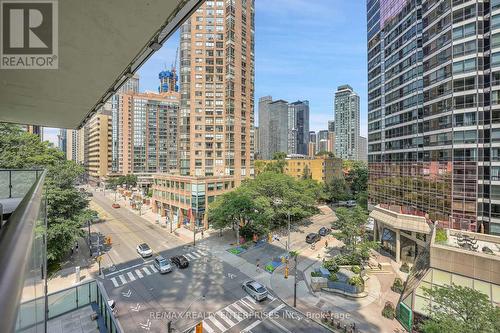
<point>295,283</point>
<point>90,244</point>
<point>288,242</point>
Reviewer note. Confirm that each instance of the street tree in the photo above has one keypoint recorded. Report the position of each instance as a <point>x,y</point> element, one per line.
<point>350,225</point>
<point>66,205</point>
<point>336,190</point>
<point>457,309</point>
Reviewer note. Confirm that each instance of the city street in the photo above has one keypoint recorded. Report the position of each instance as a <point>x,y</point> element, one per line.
<point>209,289</point>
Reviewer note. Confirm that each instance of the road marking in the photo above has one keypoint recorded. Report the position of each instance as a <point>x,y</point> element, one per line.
<point>146,270</point>
<point>276,309</point>
<point>136,308</point>
<point>270,296</point>
<point>122,279</point>
<point>248,328</point>
<point>131,276</point>
<point>226,318</point>
<point>207,328</point>
<point>114,282</point>
<point>198,256</point>
<point>139,274</point>
<point>124,269</point>
<point>247,305</point>
<point>203,253</point>
<point>240,310</point>
<point>236,315</point>
<point>216,323</point>
<point>279,325</point>
<point>190,256</point>
<point>251,299</point>
<point>153,268</point>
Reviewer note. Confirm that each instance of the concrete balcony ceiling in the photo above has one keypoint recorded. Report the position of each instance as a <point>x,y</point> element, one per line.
<point>101,44</point>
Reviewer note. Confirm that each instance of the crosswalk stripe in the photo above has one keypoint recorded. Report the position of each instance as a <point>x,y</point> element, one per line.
<point>114,282</point>
<point>216,323</point>
<point>190,256</point>
<point>271,297</point>
<point>276,309</point>
<point>196,255</point>
<point>254,324</point>
<point>122,278</point>
<point>240,310</point>
<point>235,315</point>
<point>146,270</point>
<point>202,253</point>
<point>226,319</point>
<point>153,268</point>
<point>207,327</point>
<point>139,274</point>
<point>246,305</point>
<point>131,276</point>
<point>250,299</point>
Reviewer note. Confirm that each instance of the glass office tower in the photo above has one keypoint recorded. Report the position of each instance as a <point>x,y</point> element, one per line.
<point>433,115</point>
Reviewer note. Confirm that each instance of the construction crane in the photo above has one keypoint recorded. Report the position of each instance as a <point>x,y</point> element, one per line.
<point>174,64</point>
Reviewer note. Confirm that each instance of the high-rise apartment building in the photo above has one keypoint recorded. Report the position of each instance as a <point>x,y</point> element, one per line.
<point>363,149</point>
<point>75,145</point>
<point>312,136</point>
<point>346,123</point>
<point>256,143</point>
<point>98,132</point>
<point>215,131</point>
<point>432,110</point>
<point>273,126</point>
<point>298,127</point>
<point>331,126</point>
<point>331,142</point>
<point>62,140</point>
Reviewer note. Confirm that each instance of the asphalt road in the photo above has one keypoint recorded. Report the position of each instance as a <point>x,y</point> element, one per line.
<point>209,290</point>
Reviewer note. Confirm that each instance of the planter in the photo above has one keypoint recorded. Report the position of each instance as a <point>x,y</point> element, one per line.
<point>318,282</point>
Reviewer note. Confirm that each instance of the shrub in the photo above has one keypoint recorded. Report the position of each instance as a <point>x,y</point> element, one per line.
<point>405,268</point>
<point>316,274</point>
<point>389,311</point>
<point>347,259</point>
<point>441,236</point>
<point>331,265</point>
<point>397,285</point>
<point>333,277</point>
<point>356,269</point>
<point>356,281</point>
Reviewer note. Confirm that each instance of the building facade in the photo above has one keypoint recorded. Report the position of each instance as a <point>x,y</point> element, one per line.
<point>256,145</point>
<point>432,110</point>
<point>273,126</point>
<point>62,140</point>
<point>75,145</point>
<point>346,123</point>
<point>298,127</point>
<point>331,125</point>
<point>97,145</point>
<point>215,125</point>
<point>363,149</point>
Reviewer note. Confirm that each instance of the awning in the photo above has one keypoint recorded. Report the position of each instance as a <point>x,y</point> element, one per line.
<point>100,45</point>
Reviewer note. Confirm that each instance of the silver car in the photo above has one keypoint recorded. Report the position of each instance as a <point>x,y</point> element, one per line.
<point>162,264</point>
<point>255,289</point>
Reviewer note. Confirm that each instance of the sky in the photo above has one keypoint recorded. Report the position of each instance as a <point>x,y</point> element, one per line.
<point>304,49</point>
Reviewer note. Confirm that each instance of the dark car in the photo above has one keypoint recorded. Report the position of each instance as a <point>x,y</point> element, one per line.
<point>312,238</point>
<point>180,261</point>
<point>324,231</point>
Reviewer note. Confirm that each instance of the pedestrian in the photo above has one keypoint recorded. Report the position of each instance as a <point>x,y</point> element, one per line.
<point>202,233</point>
<point>326,243</point>
<point>76,246</point>
<point>72,250</point>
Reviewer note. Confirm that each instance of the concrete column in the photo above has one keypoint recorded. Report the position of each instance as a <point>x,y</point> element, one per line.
<point>398,246</point>
<point>375,231</point>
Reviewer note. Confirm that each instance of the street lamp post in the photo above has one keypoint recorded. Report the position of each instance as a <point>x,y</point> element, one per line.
<point>295,283</point>
<point>90,244</point>
<point>288,242</point>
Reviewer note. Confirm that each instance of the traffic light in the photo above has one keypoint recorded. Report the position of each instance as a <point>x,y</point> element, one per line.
<point>286,272</point>
<point>199,327</point>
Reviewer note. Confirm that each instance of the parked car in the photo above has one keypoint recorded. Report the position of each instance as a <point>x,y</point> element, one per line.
<point>89,194</point>
<point>313,238</point>
<point>180,261</point>
<point>324,231</point>
<point>115,205</point>
<point>255,290</point>
<point>162,264</point>
<point>351,203</point>
<point>144,250</point>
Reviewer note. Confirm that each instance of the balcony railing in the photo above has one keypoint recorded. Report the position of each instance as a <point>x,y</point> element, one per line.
<point>22,246</point>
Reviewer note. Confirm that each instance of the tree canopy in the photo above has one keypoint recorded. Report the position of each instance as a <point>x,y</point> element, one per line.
<point>263,203</point>
<point>129,180</point>
<point>457,309</point>
<point>67,207</point>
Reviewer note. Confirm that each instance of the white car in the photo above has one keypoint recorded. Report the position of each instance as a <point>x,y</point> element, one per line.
<point>144,250</point>
<point>162,265</point>
<point>255,289</point>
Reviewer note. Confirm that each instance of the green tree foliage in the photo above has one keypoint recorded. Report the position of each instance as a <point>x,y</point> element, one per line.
<point>324,152</point>
<point>336,190</point>
<point>350,224</point>
<point>129,180</point>
<point>357,177</point>
<point>306,174</point>
<point>66,209</point>
<point>457,309</point>
<point>262,204</point>
<point>362,199</point>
